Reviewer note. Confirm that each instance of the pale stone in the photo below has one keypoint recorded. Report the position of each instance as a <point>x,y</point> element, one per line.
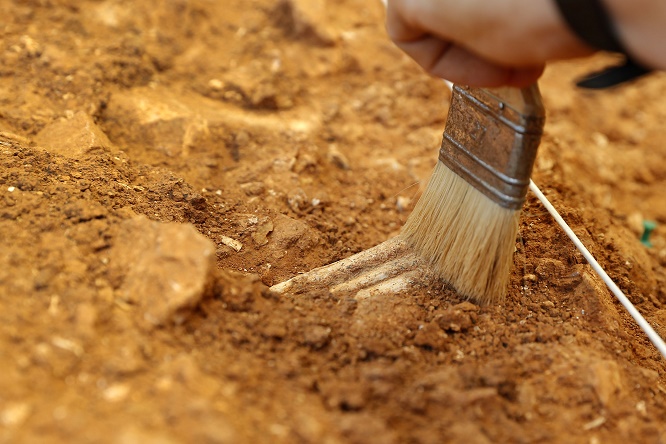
<point>231,243</point>
<point>73,137</point>
<point>14,413</point>
<point>168,268</point>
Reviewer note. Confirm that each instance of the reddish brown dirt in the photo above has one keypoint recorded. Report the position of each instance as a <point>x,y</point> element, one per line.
<point>294,130</point>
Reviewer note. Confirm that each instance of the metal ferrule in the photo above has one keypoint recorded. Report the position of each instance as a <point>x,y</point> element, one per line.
<point>491,140</point>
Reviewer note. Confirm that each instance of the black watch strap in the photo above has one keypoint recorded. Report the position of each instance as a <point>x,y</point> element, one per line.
<point>613,75</point>
<point>590,21</point>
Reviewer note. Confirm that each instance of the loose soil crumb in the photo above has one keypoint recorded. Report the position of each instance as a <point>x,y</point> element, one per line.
<point>289,135</point>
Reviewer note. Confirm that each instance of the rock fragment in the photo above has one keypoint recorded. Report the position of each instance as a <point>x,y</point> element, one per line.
<point>459,318</point>
<point>168,268</point>
<point>316,336</point>
<point>337,158</point>
<point>593,301</point>
<point>431,336</point>
<point>73,137</point>
<point>262,230</point>
<point>253,188</point>
<point>231,243</point>
<point>288,232</point>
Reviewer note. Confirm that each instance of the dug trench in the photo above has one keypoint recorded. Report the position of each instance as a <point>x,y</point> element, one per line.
<point>163,164</point>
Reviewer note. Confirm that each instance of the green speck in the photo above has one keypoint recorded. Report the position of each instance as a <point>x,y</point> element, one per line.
<point>648,228</point>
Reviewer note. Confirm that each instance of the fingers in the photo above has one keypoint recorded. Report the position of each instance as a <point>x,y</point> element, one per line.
<point>461,66</point>
<point>456,64</point>
<point>445,59</point>
<point>481,43</point>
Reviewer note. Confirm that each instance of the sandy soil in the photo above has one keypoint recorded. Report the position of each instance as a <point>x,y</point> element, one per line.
<point>163,163</point>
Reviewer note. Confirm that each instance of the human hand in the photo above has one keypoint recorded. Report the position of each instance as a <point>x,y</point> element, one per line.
<point>482,43</point>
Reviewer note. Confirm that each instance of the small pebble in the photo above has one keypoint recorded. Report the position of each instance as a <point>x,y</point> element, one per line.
<point>641,407</point>
<point>216,84</point>
<point>337,158</point>
<point>67,344</point>
<point>14,413</point>
<point>262,231</point>
<point>116,392</point>
<point>231,243</point>
<point>600,139</point>
<point>402,203</point>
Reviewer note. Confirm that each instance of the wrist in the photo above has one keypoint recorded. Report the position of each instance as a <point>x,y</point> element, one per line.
<point>641,27</point>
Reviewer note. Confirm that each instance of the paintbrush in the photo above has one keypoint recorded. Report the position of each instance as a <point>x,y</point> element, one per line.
<point>465,223</point>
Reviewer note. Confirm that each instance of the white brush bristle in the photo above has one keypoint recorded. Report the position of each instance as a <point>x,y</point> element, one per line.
<point>468,239</point>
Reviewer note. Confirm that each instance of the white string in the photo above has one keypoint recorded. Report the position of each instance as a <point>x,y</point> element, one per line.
<point>640,320</point>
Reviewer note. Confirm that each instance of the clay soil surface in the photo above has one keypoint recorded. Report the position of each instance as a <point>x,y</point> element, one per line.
<point>162,163</point>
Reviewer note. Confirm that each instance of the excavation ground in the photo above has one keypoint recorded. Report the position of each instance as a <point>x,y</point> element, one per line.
<point>163,163</point>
